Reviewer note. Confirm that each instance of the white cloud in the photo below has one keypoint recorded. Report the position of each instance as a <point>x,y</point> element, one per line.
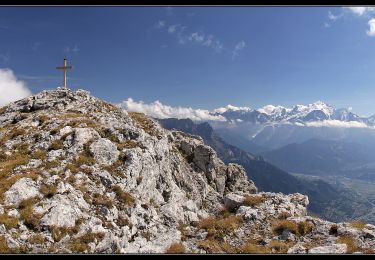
<point>371,31</point>
<point>221,110</point>
<point>160,24</point>
<point>360,10</point>
<point>158,110</point>
<point>239,46</point>
<point>196,37</point>
<point>74,49</point>
<point>11,89</point>
<point>333,17</point>
<point>183,37</point>
<point>337,123</point>
<point>173,28</point>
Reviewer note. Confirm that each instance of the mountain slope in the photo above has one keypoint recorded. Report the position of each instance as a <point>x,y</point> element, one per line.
<point>325,200</point>
<point>79,175</point>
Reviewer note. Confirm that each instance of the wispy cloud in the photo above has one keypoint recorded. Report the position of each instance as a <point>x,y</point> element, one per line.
<point>371,30</point>
<point>4,57</point>
<point>360,10</point>
<point>337,123</point>
<point>239,47</point>
<point>11,89</point>
<point>4,27</point>
<point>193,37</point>
<point>160,24</point>
<point>333,17</point>
<point>158,110</point>
<point>74,49</point>
<point>173,28</point>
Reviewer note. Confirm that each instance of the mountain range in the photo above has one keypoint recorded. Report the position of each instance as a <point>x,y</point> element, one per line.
<point>299,114</point>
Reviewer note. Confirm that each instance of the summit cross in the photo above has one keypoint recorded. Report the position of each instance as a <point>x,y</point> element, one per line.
<point>65,68</point>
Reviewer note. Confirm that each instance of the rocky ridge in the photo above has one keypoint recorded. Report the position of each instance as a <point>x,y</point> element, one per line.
<point>80,175</point>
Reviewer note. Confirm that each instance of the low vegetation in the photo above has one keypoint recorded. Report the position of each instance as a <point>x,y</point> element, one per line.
<point>124,198</point>
<point>218,228</point>
<point>56,145</point>
<point>253,200</point>
<point>48,190</point>
<point>102,200</point>
<point>350,242</point>
<point>299,229</point>
<point>36,239</point>
<point>358,224</point>
<point>30,219</point>
<point>8,221</point>
<point>81,244</point>
<point>142,121</point>
<point>39,155</point>
<point>176,248</point>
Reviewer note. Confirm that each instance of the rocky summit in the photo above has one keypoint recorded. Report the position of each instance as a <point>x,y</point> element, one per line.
<point>79,175</point>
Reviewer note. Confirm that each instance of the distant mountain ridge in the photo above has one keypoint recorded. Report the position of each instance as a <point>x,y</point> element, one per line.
<point>317,111</point>
<point>325,200</point>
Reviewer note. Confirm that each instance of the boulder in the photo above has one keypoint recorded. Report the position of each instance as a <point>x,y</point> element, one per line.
<point>331,249</point>
<point>297,249</point>
<point>232,201</point>
<point>104,151</point>
<point>83,135</point>
<point>24,188</point>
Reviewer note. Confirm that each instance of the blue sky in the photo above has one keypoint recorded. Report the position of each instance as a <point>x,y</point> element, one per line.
<point>202,57</point>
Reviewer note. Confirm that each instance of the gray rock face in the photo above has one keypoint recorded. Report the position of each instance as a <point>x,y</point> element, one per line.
<point>83,135</point>
<point>104,151</point>
<point>331,249</point>
<point>297,249</point>
<point>24,188</point>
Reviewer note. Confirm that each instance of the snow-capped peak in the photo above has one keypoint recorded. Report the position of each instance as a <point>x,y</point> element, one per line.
<point>318,105</point>
<point>271,109</point>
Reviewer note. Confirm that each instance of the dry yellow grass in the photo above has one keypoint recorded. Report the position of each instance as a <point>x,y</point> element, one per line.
<point>142,121</point>
<point>80,244</point>
<point>350,242</point>
<point>219,227</point>
<point>102,200</point>
<point>27,214</point>
<point>253,200</point>
<point>48,190</point>
<point>176,248</point>
<point>36,239</point>
<point>124,197</point>
<point>8,221</point>
<point>250,248</point>
<point>358,224</point>
<point>301,228</point>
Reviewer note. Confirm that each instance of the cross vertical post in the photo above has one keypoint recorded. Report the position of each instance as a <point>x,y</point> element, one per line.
<point>65,67</point>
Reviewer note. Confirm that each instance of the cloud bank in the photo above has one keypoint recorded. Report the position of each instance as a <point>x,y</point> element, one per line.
<point>337,123</point>
<point>11,89</point>
<point>158,110</point>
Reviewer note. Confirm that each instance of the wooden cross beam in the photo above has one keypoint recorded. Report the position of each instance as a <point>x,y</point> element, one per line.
<point>65,68</point>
